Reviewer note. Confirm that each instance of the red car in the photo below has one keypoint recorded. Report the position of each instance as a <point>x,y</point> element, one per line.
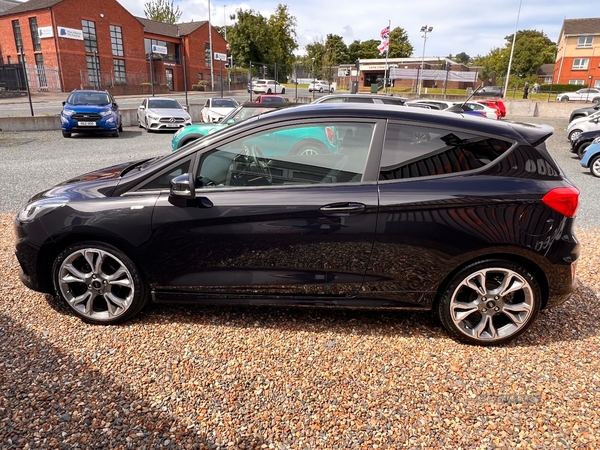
<point>498,105</point>
<point>269,98</point>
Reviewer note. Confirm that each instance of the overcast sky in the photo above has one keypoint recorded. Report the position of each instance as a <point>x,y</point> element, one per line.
<point>458,25</point>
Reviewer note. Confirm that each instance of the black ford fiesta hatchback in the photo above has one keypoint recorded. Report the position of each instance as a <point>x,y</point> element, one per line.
<point>369,206</point>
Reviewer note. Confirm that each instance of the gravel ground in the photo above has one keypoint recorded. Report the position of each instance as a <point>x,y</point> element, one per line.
<point>250,378</point>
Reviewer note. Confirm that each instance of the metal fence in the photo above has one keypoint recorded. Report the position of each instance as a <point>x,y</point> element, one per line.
<point>91,79</point>
<point>40,78</point>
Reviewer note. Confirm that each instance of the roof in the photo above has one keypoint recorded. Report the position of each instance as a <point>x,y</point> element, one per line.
<point>580,27</point>
<point>545,69</point>
<point>168,29</point>
<point>31,5</point>
<point>7,4</point>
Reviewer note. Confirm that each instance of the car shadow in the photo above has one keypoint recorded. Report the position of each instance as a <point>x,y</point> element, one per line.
<point>548,327</point>
<point>125,134</point>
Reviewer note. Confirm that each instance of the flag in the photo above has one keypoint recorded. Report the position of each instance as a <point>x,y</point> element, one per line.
<point>385,40</point>
<point>385,33</point>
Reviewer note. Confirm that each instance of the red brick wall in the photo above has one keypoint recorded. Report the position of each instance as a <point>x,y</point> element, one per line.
<point>196,63</point>
<point>7,40</point>
<point>72,54</point>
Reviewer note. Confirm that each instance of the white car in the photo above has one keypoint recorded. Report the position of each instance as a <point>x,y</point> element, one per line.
<point>490,113</point>
<point>216,108</point>
<point>162,113</point>
<point>267,87</point>
<point>432,103</point>
<point>578,126</point>
<point>585,95</point>
<point>320,86</point>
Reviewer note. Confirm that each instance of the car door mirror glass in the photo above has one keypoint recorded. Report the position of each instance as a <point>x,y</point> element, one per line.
<point>183,188</point>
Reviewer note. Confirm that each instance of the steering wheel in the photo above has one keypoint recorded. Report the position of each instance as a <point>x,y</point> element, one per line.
<point>256,160</point>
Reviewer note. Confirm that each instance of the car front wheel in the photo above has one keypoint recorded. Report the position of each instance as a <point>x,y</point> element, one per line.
<point>99,283</point>
<point>595,166</point>
<point>574,134</point>
<point>490,302</point>
<point>582,148</point>
<point>283,90</point>
<point>564,99</point>
<point>66,134</point>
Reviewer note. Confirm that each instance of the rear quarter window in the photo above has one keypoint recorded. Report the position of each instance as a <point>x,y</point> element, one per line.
<point>411,152</point>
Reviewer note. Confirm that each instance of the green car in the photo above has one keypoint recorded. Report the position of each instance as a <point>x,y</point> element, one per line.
<point>307,141</point>
<point>191,133</point>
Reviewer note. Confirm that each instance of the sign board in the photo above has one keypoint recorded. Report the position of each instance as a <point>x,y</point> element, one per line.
<point>45,32</point>
<point>220,56</point>
<point>70,33</point>
<point>160,49</point>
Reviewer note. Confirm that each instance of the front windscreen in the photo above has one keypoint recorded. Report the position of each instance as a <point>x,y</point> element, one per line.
<point>163,104</point>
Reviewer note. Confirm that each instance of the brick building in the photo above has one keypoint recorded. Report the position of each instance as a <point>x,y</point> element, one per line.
<point>70,44</point>
<point>578,55</point>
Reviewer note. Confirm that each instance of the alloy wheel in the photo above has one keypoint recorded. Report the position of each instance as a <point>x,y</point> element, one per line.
<point>96,284</point>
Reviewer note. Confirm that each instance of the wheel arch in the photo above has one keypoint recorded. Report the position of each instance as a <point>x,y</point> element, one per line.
<point>50,251</point>
<point>528,264</point>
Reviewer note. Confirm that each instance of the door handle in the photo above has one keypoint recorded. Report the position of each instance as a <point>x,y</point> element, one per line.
<point>343,209</point>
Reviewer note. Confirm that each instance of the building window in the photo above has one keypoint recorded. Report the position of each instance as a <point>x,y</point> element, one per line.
<point>207,55</point>
<point>119,68</point>
<point>41,71</point>
<point>17,32</point>
<point>580,63</point>
<point>89,36</point>
<point>585,41</point>
<point>577,82</point>
<point>173,50</point>
<point>116,39</point>
<point>35,37</point>
<point>93,69</point>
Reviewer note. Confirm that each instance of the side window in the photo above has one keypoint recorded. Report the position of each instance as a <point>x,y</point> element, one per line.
<point>302,154</point>
<point>411,151</point>
<point>335,100</point>
<point>163,179</point>
<point>360,100</point>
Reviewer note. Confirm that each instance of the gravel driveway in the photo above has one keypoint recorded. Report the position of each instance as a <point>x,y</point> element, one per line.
<point>255,377</point>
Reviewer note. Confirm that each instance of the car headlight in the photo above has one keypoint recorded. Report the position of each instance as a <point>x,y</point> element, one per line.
<point>68,112</point>
<point>38,208</point>
<point>152,116</point>
<point>108,112</point>
<point>595,141</point>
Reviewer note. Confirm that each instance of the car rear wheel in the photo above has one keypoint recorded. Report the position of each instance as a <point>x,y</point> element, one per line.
<point>66,134</point>
<point>595,166</point>
<point>574,134</point>
<point>490,302</point>
<point>269,91</point>
<point>321,90</point>
<point>582,148</point>
<point>99,283</point>
<point>308,148</point>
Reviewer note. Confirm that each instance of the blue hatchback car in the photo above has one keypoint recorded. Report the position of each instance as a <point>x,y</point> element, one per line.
<point>591,157</point>
<point>89,111</point>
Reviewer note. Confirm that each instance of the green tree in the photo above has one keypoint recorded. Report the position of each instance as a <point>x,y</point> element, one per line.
<point>400,47</point>
<point>462,58</point>
<point>162,11</point>
<point>257,39</point>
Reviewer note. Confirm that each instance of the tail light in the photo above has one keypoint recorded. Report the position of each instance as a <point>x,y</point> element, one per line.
<point>330,134</point>
<point>564,200</point>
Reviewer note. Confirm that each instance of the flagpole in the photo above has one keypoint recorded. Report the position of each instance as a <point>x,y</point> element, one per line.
<point>387,53</point>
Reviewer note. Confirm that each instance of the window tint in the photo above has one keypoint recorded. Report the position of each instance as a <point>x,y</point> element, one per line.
<point>302,154</point>
<point>410,151</point>
<point>164,104</point>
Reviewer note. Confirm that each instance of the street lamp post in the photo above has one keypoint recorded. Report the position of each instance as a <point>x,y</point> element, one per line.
<point>512,51</point>
<point>313,77</point>
<point>424,29</point>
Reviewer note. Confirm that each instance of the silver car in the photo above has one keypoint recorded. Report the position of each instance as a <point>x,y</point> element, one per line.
<point>583,95</point>
<point>162,113</point>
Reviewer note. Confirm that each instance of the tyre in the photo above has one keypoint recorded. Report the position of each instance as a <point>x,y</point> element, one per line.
<point>564,99</point>
<point>596,100</point>
<point>100,283</point>
<point>283,90</point>
<point>574,134</point>
<point>147,127</point>
<point>120,127</point>
<point>269,91</point>
<point>115,133</point>
<point>321,90</point>
<point>66,134</point>
<point>490,302</point>
<point>595,166</point>
<point>582,148</point>
<point>331,91</point>
<point>308,148</point>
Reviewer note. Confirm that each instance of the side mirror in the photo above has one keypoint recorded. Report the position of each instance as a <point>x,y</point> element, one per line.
<point>184,108</point>
<point>230,122</point>
<point>142,107</point>
<point>183,190</point>
<point>64,103</point>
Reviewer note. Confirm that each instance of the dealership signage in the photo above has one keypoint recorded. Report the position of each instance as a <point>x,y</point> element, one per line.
<point>70,33</point>
<point>220,56</point>
<point>45,32</point>
<point>160,49</point>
